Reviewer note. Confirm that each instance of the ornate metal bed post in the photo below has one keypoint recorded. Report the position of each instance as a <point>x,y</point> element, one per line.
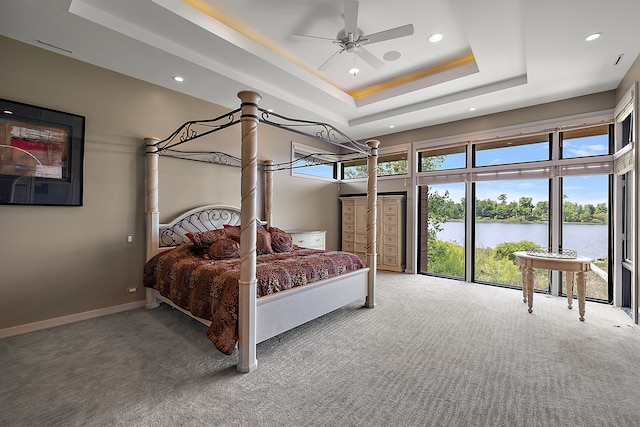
<point>268,191</point>
<point>372,197</point>
<point>247,292</point>
<point>153,219</point>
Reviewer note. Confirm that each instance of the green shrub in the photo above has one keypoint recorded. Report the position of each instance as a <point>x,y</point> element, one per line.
<point>445,258</point>
<point>506,249</point>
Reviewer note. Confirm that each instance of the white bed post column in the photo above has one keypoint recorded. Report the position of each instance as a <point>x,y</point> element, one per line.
<point>153,221</point>
<point>372,201</point>
<point>247,287</point>
<point>268,191</point>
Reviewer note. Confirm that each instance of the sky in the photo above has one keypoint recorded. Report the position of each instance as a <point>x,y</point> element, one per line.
<point>579,189</point>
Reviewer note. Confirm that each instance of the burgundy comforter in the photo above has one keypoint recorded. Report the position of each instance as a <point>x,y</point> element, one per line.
<point>209,288</point>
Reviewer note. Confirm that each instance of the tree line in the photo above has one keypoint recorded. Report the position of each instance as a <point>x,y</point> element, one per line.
<point>442,207</point>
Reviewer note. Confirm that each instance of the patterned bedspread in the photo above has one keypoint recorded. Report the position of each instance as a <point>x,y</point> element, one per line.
<point>209,288</point>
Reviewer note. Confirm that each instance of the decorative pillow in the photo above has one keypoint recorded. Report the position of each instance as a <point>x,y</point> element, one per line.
<point>263,241</point>
<point>281,241</point>
<point>224,248</point>
<point>263,238</point>
<point>232,232</point>
<point>204,239</point>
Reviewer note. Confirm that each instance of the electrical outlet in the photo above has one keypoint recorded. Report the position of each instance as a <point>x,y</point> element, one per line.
<point>129,238</point>
<point>132,290</point>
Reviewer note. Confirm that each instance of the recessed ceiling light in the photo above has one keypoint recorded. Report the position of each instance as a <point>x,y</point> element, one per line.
<point>435,37</point>
<point>179,79</point>
<point>391,126</point>
<point>472,108</point>
<point>354,70</point>
<point>593,36</point>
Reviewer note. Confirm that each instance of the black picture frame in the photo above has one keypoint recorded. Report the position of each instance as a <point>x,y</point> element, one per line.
<point>41,156</point>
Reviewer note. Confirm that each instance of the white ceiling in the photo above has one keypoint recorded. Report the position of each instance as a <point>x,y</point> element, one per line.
<point>524,52</point>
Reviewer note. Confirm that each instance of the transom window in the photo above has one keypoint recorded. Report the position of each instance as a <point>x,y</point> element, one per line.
<point>442,159</point>
<point>585,142</point>
<point>513,150</point>
<point>394,163</point>
<point>313,162</point>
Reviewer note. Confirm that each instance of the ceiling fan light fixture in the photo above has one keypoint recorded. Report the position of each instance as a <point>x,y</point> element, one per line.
<point>352,39</point>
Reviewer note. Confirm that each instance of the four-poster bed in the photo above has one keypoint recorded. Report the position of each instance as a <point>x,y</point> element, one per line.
<point>257,318</point>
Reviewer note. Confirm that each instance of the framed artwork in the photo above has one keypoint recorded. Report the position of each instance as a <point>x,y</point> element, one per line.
<point>41,156</point>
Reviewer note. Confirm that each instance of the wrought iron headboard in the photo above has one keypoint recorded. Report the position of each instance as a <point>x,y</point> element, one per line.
<point>204,218</point>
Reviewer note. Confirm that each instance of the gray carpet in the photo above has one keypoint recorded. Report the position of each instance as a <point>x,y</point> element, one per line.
<point>432,353</point>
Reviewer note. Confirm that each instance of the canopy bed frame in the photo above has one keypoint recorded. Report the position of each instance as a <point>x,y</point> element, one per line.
<point>259,318</point>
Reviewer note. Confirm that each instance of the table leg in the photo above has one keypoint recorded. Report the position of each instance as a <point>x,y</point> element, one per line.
<point>529,282</point>
<point>570,288</point>
<point>523,270</point>
<point>580,283</point>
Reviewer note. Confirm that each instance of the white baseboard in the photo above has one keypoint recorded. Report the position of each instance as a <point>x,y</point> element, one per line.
<point>64,320</point>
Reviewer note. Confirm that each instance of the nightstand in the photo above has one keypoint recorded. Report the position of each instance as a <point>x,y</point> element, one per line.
<point>308,239</point>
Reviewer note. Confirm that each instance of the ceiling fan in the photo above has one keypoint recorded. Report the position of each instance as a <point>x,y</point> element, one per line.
<point>352,39</point>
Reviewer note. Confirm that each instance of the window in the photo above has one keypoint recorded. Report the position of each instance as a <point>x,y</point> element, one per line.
<point>312,162</point>
<point>513,150</point>
<point>510,216</point>
<point>585,227</point>
<point>543,189</point>
<point>442,230</point>
<point>442,159</point>
<point>591,141</point>
<point>394,163</point>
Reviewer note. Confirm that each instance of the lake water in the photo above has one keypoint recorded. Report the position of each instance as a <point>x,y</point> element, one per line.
<point>588,239</point>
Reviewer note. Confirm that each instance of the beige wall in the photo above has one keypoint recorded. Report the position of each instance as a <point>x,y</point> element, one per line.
<point>632,76</point>
<point>59,261</point>
<point>568,107</point>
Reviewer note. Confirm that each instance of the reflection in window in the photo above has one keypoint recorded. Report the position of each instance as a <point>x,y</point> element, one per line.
<point>591,141</point>
<point>442,159</point>
<point>513,150</point>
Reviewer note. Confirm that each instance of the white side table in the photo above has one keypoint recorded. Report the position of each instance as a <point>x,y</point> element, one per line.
<point>311,239</point>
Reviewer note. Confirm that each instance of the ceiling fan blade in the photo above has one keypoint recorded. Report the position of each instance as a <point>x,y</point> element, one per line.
<point>326,64</point>
<point>369,57</point>
<point>393,33</point>
<point>350,17</point>
<point>306,37</point>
